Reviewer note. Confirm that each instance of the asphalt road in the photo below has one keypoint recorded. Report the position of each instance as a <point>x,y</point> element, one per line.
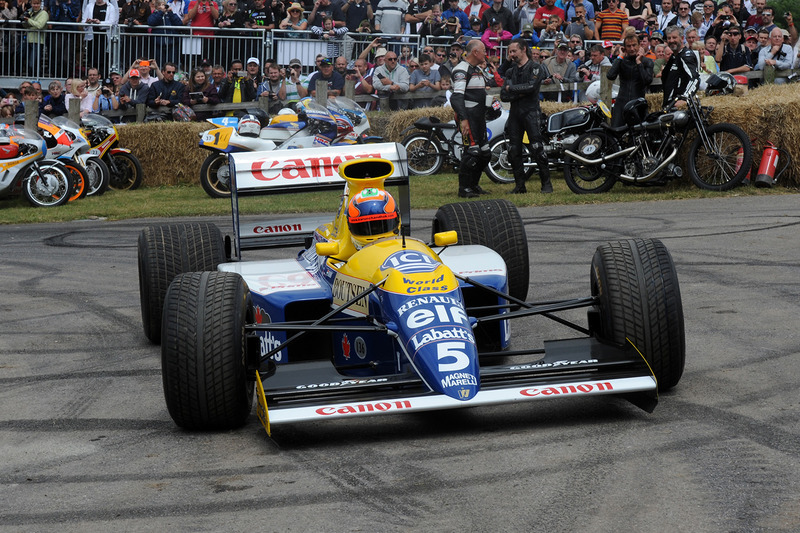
<point>87,444</point>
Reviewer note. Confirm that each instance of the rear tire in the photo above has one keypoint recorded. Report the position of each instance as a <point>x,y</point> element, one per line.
<point>589,179</point>
<point>207,384</point>
<point>495,224</point>
<point>215,176</point>
<point>424,154</point>
<point>715,169</point>
<point>640,300</point>
<point>80,179</point>
<point>163,253</point>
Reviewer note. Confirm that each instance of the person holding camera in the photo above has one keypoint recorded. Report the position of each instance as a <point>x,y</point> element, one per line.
<point>296,81</point>
<point>355,12</point>
<point>35,20</point>
<point>723,21</point>
<point>100,17</point>
<point>135,13</point>
<point>105,100</point>
<point>163,42</point>
<point>733,57</point>
<point>201,14</point>
<point>273,88</point>
<point>579,25</point>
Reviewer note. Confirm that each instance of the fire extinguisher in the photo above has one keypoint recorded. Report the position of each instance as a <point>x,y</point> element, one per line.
<point>767,175</point>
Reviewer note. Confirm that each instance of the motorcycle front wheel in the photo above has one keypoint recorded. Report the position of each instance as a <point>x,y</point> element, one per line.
<point>499,168</point>
<point>99,176</point>
<point>713,166</point>
<point>126,171</point>
<point>47,185</point>
<point>215,176</point>
<point>424,154</point>
<point>585,178</point>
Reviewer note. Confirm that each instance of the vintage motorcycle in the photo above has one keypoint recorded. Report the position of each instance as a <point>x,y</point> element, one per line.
<point>123,168</point>
<point>308,125</point>
<point>645,152</point>
<point>43,182</point>
<point>560,130</point>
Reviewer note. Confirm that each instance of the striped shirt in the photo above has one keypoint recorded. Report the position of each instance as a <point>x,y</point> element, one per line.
<point>612,23</point>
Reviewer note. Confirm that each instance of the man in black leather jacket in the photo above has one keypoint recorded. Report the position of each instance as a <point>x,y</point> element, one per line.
<point>635,72</point>
<point>680,73</point>
<point>469,103</point>
<point>521,88</point>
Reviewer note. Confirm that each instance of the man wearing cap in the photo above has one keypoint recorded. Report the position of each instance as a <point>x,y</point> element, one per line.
<point>503,14</point>
<point>611,22</point>
<point>252,67</point>
<point>544,13</point>
<point>521,88</point>
<point>635,72</point>
<point>562,71</point>
<point>452,59</point>
<point>391,80</point>
<point>680,74</point>
<point>469,103</point>
<point>132,92</point>
<point>455,11</point>
<point>144,66</point>
<point>528,35</point>
<point>297,84</point>
<point>733,57</point>
<point>327,74</point>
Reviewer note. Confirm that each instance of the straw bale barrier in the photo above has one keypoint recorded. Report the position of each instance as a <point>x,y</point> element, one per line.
<point>170,154</point>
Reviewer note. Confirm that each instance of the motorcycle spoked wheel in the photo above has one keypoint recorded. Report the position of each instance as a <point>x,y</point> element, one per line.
<point>80,180</point>
<point>215,176</point>
<point>591,179</point>
<point>424,154</point>
<point>126,172</point>
<point>713,167</point>
<point>499,168</point>
<point>48,185</point>
<point>99,176</point>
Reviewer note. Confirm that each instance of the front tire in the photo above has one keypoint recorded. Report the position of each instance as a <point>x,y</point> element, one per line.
<point>215,176</point>
<point>499,168</point>
<point>163,253</point>
<point>204,364</point>
<point>424,154</point>
<point>714,167</point>
<point>99,176</point>
<point>590,179</point>
<point>639,300</point>
<point>126,171</point>
<point>48,184</point>
<point>495,224</point>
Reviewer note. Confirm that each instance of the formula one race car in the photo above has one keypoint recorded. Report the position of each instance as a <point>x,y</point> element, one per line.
<point>367,320</point>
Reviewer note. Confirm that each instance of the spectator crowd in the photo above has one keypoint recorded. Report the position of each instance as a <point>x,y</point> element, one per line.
<point>364,42</point>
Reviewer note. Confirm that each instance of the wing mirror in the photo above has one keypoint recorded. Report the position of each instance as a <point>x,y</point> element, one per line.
<point>327,249</point>
<point>445,238</point>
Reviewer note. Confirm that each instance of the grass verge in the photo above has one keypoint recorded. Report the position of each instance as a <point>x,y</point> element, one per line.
<point>426,193</point>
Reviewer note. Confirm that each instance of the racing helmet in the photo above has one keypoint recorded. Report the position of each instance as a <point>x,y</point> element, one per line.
<point>720,83</point>
<point>371,215</point>
<point>249,126</point>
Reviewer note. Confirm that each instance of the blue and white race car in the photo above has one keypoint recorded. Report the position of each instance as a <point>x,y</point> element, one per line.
<point>367,320</point>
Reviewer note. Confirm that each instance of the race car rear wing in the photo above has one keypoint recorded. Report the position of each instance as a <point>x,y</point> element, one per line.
<point>304,170</point>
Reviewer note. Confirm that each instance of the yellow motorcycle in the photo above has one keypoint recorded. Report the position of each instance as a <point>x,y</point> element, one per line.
<point>124,168</point>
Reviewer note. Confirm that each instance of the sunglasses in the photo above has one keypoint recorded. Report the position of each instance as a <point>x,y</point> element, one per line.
<point>440,55</point>
<point>169,72</point>
<point>391,59</point>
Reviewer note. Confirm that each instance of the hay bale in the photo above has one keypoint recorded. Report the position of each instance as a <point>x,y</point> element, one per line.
<point>400,120</point>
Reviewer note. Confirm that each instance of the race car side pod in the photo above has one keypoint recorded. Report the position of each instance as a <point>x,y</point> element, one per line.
<point>531,309</point>
<point>351,301</point>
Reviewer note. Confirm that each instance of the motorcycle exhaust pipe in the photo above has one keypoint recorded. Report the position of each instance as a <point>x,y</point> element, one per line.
<point>585,161</point>
<point>654,172</point>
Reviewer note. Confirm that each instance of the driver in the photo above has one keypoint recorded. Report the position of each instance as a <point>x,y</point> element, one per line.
<point>371,215</point>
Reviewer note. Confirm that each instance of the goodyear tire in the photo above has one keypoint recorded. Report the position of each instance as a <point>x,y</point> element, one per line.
<point>495,224</point>
<point>166,251</point>
<point>215,176</point>
<point>640,300</point>
<point>203,354</point>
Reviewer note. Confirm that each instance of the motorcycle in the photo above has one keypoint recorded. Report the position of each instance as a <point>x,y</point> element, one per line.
<point>644,152</point>
<point>89,171</point>
<point>432,143</point>
<point>309,125</point>
<point>559,130</point>
<point>123,170</point>
<point>44,182</point>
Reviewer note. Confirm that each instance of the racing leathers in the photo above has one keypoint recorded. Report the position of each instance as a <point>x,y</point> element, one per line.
<point>680,75</point>
<point>521,89</point>
<point>633,82</point>
<point>469,103</point>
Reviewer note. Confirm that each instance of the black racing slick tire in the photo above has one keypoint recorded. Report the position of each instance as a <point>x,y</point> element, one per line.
<point>207,385</point>
<point>499,168</point>
<point>424,154</point>
<point>717,166</point>
<point>495,224</point>
<point>215,176</point>
<point>639,300</point>
<point>166,251</point>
